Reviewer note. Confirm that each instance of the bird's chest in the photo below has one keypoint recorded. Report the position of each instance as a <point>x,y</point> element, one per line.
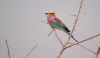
<point>51,20</point>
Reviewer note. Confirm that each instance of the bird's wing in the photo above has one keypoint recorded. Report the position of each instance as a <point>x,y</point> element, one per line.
<point>62,24</point>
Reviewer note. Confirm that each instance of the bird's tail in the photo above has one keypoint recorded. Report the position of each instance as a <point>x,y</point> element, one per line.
<point>72,37</point>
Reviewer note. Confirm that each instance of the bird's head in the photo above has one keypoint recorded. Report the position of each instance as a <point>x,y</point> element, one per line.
<point>50,13</point>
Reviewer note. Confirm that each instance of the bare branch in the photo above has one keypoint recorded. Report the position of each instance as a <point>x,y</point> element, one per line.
<point>51,32</point>
<point>43,21</point>
<point>59,39</point>
<point>62,50</point>
<point>98,51</point>
<point>31,50</point>
<point>84,48</point>
<point>87,49</point>
<point>77,16</point>
<point>83,41</point>
<point>76,19</point>
<point>8,49</point>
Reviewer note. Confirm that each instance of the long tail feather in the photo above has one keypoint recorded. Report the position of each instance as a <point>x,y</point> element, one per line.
<point>74,39</point>
<point>72,36</point>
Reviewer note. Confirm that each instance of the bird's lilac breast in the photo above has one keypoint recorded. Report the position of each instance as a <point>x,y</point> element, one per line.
<point>51,20</point>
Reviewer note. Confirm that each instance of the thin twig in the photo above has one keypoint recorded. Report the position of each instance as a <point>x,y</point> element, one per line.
<point>59,39</point>
<point>87,49</point>
<point>84,48</point>
<point>73,15</point>
<point>51,32</point>
<point>76,19</point>
<point>8,49</point>
<point>43,21</point>
<point>83,41</point>
<point>31,50</point>
<point>98,51</point>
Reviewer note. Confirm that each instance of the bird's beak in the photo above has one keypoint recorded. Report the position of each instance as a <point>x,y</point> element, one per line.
<point>46,13</point>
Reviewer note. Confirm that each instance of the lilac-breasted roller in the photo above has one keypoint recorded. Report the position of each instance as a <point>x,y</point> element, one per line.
<point>56,23</point>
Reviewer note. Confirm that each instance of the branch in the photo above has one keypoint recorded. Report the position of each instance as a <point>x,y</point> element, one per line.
<point>84,48</point>
<point>8,49</point>
<point>76,19</point>
<point>83,41</point>
<point>59,39</point>
<point>43,21</point>
<point>51,32</point>
<point>87,49</point>
<point>61,52</point>
<point>98,51</point>
<point>31,50</point>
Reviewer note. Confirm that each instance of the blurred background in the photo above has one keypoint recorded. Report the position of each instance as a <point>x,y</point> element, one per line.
<point>20,24</point>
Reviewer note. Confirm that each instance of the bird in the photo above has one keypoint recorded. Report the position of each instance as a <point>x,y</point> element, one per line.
<point>56,23</point>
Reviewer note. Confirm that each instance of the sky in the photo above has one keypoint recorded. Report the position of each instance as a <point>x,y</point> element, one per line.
<point>20,24</point>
